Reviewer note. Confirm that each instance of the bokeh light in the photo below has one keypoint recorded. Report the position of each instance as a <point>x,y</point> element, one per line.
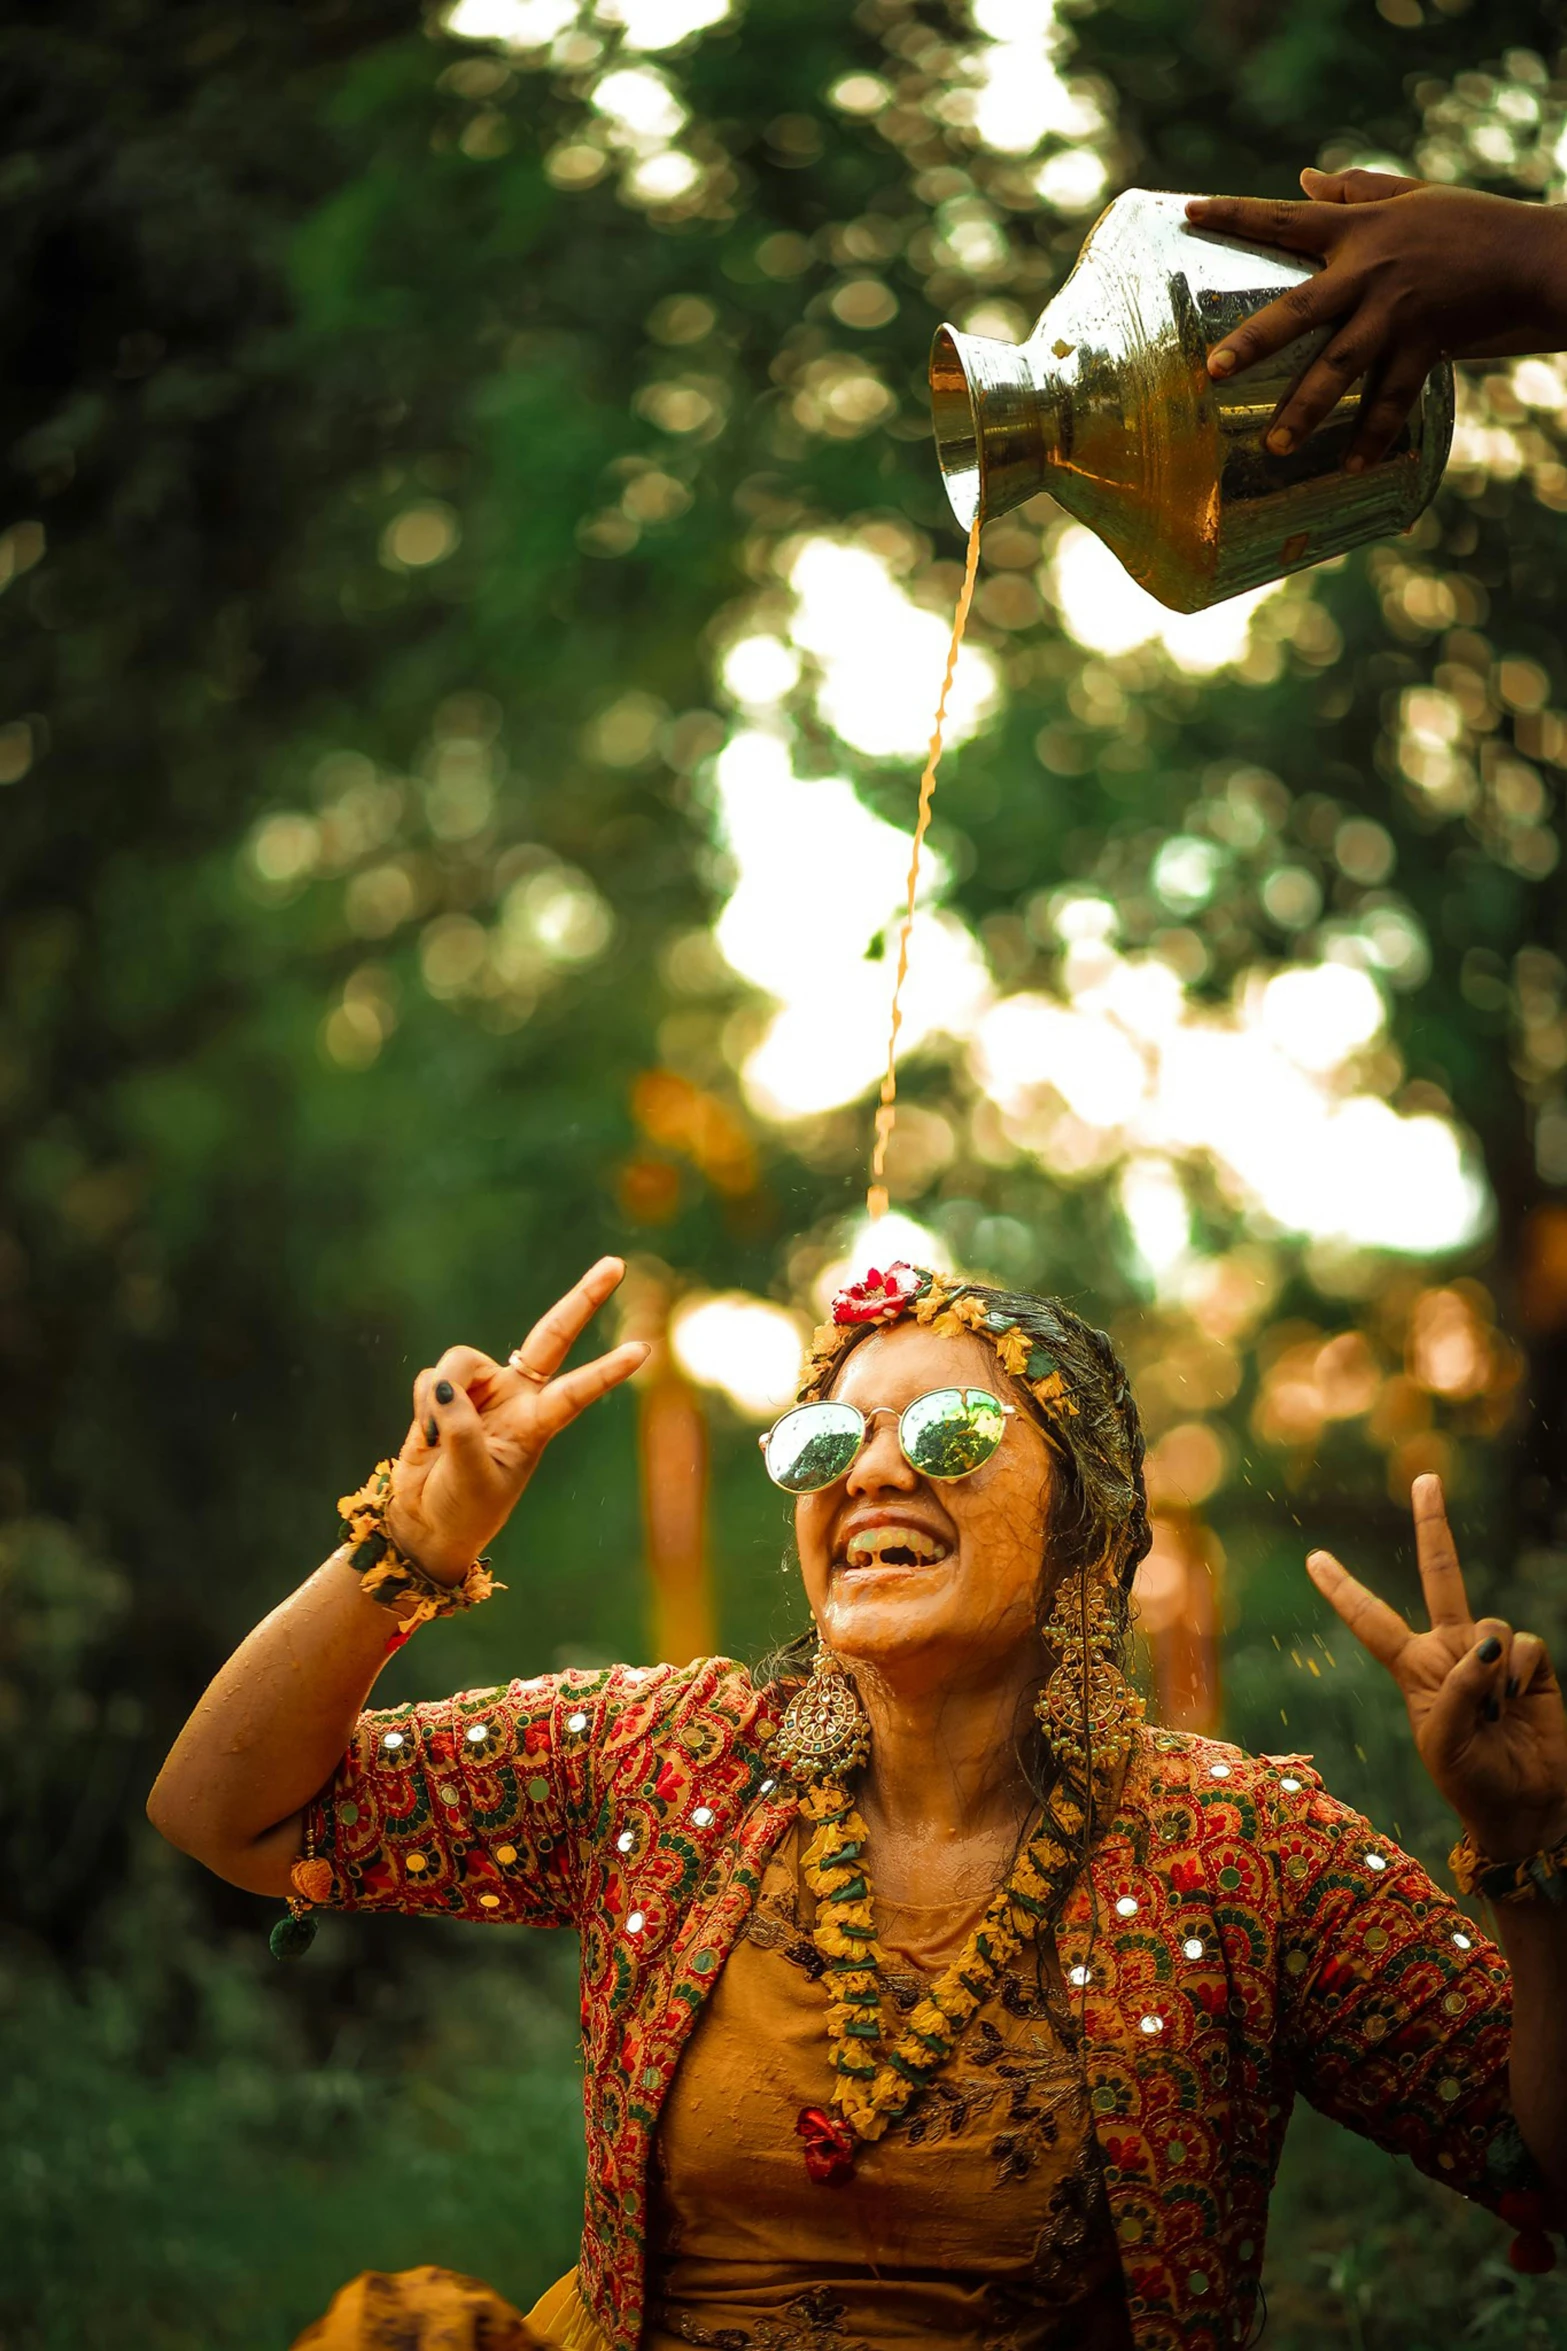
<point>878,657</point>
<point>1104,610</point>
<point>749,1349</point>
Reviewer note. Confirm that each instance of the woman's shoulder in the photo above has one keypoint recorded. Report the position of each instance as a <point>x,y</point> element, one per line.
<point>1207,1802</point>
<point>1187,1763</point>
<point>704,1728</point>
<point>583,1708</point>
<point>598,1690</point>
<point>708,1698</point>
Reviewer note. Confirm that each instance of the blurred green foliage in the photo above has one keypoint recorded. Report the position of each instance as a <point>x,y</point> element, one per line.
<point>338,501</point>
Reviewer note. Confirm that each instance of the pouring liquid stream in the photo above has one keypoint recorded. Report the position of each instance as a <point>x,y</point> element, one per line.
<point>887,1108</point>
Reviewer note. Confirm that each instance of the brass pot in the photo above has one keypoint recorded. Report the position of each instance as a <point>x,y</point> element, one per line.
<point>1109,406</point>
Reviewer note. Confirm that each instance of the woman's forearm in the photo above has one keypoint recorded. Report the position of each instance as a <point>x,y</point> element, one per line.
<point>276,1721</point>
<point>1534,1937</point>
<point>270,1731</point>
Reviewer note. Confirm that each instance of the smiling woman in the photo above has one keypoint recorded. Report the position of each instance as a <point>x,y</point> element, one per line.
<point>921,1914</point>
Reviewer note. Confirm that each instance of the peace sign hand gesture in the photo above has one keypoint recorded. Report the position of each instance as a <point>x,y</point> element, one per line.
<point>1484,1704</point>
<point>480,1427</point>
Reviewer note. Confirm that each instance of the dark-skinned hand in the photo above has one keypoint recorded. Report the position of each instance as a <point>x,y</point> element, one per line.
<point>1413,273</point>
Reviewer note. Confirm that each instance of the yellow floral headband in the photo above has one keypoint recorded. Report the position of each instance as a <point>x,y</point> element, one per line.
<point>947,1309</point>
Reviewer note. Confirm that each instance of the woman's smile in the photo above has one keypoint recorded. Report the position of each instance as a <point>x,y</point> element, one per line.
<point>876,1542</point>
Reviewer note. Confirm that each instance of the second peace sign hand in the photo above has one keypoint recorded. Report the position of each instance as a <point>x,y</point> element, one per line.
<point>1484,1704</point>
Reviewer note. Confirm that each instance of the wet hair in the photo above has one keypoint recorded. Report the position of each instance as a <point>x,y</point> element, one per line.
<point>1085,1408</point>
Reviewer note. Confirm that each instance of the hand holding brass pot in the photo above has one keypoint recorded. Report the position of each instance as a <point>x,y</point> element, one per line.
<point>1110,407</point>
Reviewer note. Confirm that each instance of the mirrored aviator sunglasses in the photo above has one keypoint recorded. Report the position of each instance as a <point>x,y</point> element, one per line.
<point>945,1434</point>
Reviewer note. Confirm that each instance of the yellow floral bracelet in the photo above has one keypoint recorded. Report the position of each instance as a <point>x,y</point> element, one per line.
<point>1539,1877</point>
<point>389,1576</point>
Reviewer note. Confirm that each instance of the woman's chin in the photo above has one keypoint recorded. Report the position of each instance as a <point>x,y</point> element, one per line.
<point>876,1615</point>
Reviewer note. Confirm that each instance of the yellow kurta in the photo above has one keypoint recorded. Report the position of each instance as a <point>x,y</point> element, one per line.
<point>978,2220</point>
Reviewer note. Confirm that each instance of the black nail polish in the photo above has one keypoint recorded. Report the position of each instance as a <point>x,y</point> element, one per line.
<point>432,1432</point>
<point>1493,1712</point>
<point>1512,1685</point>
<point>444,1391</point>
<point>1490,1649</point>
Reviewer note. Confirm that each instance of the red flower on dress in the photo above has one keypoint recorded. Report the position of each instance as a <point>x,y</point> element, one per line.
<point>829,2146</point>
<point>881,1297</point>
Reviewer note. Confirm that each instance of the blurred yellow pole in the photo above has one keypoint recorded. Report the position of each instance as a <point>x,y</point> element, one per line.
<point>672,1465</point>
<point>1191,1697</point>
<point>1177,1594</point>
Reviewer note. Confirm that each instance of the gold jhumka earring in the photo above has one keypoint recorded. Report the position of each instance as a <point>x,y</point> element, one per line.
<point>824,1734</point>
<point>1087,1710</point>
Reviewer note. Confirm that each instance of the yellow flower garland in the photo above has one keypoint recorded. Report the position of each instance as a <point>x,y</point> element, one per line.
<point>876,2083</point>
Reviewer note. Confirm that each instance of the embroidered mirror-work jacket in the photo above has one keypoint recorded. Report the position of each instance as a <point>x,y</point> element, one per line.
<point>1240,1937</point>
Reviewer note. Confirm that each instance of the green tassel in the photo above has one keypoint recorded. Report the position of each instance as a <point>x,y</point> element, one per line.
<point>293,1935</point>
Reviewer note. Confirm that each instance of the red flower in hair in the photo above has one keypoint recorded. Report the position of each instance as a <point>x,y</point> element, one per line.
<point>881,1297</point>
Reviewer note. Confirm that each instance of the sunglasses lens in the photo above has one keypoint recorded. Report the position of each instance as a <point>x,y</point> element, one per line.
<point>951,1431</point>
<point>812,1446</point>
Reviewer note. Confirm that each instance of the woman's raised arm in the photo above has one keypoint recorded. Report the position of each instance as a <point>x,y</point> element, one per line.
<point>1487,1715</point>
<point>272,1726</point>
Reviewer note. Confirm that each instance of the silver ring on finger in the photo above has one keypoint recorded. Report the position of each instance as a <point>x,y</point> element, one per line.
<point>525,1370</point>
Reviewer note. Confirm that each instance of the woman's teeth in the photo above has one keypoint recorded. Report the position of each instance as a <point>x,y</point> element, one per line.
<point>893,1546</point>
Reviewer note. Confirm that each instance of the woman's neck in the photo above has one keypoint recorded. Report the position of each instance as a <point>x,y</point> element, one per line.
<point>944,1763</point>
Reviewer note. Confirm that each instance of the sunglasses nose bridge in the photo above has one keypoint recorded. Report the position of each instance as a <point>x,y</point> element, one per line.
<point>881,1458</point>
